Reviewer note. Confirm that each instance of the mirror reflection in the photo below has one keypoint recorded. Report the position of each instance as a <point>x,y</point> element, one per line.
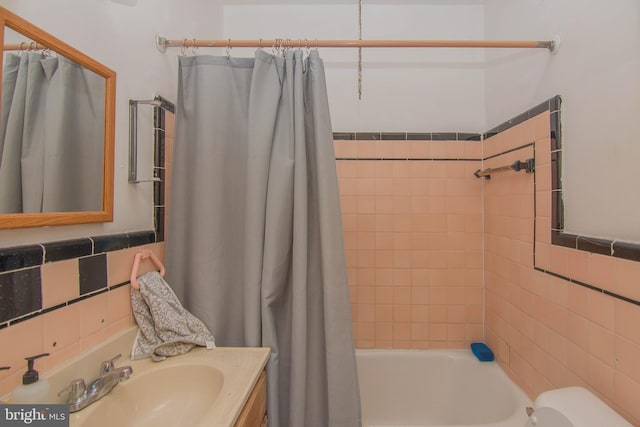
<point>51,131</point>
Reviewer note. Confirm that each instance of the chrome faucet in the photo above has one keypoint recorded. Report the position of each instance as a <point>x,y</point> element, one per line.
<point>82,395</point>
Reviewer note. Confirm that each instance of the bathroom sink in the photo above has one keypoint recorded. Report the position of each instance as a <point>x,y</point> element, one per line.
<point>174,395</point>
<point>200,388</point>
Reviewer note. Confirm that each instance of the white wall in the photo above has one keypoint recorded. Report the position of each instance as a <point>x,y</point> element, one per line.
<point>120,34</point>
<point>597,72</point>
<point>419,90</point>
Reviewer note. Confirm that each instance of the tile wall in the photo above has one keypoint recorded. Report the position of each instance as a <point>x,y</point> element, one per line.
<point>412,219</point>
<point>555,316</point>
<point>64,297</point>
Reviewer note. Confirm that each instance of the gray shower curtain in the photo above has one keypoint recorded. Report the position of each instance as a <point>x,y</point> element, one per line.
<point>51,140</point>
<point>254,246</point>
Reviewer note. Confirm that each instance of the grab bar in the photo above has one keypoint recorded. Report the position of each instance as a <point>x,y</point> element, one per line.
<point>528,166</point>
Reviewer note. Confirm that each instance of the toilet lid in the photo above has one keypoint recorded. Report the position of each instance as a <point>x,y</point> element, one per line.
<point>548,417</point>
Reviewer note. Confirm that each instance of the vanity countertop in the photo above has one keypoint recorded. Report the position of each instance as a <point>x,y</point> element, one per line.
<point>201,387</point>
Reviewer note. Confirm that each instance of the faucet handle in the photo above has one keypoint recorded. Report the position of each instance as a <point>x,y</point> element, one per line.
<point>108,366</point>
<point>76,389</point>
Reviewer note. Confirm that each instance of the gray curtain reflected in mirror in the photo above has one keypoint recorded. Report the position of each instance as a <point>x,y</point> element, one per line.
<point>52,115</point>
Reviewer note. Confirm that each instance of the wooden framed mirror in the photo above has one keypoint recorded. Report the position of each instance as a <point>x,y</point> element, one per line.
<point>59,168</point>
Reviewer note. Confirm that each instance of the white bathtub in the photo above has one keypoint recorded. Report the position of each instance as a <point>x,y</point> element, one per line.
<point>436,388</point>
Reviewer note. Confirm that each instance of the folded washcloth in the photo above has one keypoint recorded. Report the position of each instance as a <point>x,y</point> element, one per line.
<point>166,327</point>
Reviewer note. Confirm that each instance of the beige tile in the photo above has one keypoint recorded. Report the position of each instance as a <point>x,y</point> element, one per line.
<point>366,168</point>
<point>627,319</point>
<point>419,313</point>
<point>455,332</point>
<point>62,355</point>
<point>119,263</point>
<point>169,123</point>
<point>401,333</point>
<point>558,347</point>
<point>578,264</point>
<point>601,309</point>
<point>119,304</point>
<point>472,150</point>
<point>543,255</point>
<point>437,332</point>
<point>474,332</point>
<point>384,331</point>
<point>19,341</point>
<point>601,343</point>
<point>578,301</point>
<point>8,382</point>
<point>455,314</point>
<point>366,312</point>
<point>367,331</point>
<point>601,377</point>
<point>625,395</point>
<point>366,149</point>
<point>578,360</point>
<point>61,328</point>
<point>93,314</point>
<point>401,313</point>
<point>541,126</point>
<point>560,260</point>
<point>523,370</point>
<point>627,355</point>
<point>383,313</point>
<point>437,314</point>
<point>578,330</point>
<point>602,271</point>
<point>419,149</point>
<point>402,295</point>
<point>60,282</point>
<point>626,278</point>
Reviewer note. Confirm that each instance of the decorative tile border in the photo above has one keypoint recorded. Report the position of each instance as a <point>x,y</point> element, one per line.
<point>405,146</point>
<point>159,172</point>
<point>406,136</point>
<point>20,267</point>
<point>21,271</point>
<point>626,250</point>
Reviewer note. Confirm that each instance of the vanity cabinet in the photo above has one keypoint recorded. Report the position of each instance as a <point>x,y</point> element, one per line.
<point>254,413</point>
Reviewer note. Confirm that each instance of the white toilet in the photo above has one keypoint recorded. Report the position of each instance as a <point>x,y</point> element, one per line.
<point>573,407</point>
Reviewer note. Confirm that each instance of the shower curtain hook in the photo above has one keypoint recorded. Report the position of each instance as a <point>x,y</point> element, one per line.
<point>228,49</point>
<point>280,49</point>
<point>260,44</point>
<point>316,44</point>
<point>194,48</point>
<point>183,48</point>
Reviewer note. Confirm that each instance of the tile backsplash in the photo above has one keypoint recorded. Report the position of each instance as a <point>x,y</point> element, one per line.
<point>64,297</point>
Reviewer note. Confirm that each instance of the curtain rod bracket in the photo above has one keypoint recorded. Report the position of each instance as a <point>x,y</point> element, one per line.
<point>161,43</point>
<point>555,44</point>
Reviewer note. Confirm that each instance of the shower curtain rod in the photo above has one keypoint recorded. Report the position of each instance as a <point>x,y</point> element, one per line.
<point>163,43</point>
<point>24,46</point>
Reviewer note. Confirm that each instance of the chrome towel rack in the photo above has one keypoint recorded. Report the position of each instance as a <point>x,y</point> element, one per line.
<point>528,166</point>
